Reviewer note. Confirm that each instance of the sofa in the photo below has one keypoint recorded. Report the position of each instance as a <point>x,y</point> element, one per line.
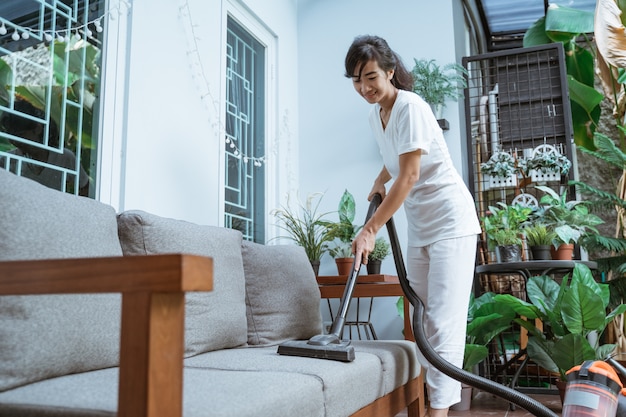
<point>132,314</point>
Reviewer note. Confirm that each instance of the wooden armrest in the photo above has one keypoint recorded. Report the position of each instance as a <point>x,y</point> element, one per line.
<point>152,273</point>
<point>153,313</point>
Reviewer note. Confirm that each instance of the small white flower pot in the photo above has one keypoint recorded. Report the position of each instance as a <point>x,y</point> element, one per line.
<point>537,175</point>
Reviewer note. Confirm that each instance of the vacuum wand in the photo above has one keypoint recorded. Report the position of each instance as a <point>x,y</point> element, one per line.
<point>331,345</point>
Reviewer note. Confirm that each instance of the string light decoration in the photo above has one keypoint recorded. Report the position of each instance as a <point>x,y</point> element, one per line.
<point>207,97</point>
<point>63,35</point>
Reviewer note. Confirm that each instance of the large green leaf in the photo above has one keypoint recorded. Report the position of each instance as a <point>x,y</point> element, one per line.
<point>474,354</point>
<point>582,310</point>
<point>541,353</point>
<point>580,64</point>
<point>347,208</point>
<point>521,307</point>
<point>542,290</point>
<point>563,23</point>
<point>587,97</point>
<point>572,350</point>
<point>536,34</point>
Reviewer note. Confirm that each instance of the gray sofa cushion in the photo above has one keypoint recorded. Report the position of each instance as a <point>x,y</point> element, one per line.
<point>282,295</point>
<point>213,320</point>
<point>46,336</point>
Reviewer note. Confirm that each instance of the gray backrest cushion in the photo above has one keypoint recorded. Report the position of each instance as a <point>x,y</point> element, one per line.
<point>282,295</point>
<point>46,336</point>
<point>213,320</point>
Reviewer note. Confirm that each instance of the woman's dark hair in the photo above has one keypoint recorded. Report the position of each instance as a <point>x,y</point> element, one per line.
<point>366,48</point>
<point>14,123</point>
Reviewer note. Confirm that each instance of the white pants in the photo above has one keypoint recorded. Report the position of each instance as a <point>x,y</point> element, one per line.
<point>441,275</point>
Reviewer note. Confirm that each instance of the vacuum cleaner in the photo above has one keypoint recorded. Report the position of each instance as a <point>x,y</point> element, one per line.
<point>586,396</point>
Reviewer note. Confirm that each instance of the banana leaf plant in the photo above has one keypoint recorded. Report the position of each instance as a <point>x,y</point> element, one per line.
<point>571,313</point>
<point>568,26</point>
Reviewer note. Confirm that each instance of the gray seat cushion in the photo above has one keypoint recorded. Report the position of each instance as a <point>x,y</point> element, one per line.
<point>242,382</point>
<point>282,295</point>
<point>213,320</point>
<point>208,392</point>
<point>46,336</point>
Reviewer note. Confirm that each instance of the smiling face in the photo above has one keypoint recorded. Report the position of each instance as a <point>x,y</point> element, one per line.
<point>374,84</point>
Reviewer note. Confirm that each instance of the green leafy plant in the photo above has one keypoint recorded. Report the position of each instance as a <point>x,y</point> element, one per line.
<point>344,231</point>
<point>503,224</point>
<point>500,164</point>
<point>569,313</point>
<point>546,162</point>
<point>570,219</point>
<point>486,319</point>
<point>305,226</point>
<point>435,83</point>
<point>539,234</point>
<point>382,249</point>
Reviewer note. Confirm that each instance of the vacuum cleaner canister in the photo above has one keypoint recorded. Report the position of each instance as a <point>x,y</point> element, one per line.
<point>593,390</point>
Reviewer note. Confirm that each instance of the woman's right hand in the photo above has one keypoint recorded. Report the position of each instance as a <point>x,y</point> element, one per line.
<point>378,188</point>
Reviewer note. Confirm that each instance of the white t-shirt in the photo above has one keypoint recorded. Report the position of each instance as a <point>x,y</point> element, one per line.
<point>439,206</point>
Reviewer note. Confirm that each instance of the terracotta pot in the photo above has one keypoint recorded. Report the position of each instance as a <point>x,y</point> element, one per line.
<point>344,265</point>
<point>565,252</point>
<point>373,267</point>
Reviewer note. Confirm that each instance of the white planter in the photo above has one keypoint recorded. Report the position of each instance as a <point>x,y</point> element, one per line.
<point>500,182</point>
<point>537,175</point>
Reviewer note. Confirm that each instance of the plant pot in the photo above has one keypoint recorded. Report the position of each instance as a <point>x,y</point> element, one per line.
<point>344,265</point>
<point>541,252</point>
<point>561,385</point>
<point>466,399</point>
<point>501,182</point>
<point>509,253</point>
<point>373,267</point>
<point>316,266</point>
<point>564,252</point>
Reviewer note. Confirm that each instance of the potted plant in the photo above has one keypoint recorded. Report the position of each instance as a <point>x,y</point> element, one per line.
<point>381,250</point>
<point>539,238</point>
<point>486,319</point>
<point>503,226</point>
<point>342,233</point>
<point>570,220</point>
<point>306,227</point>
<point>501,170</point>
<point>546,163</point>
<point>435,84</point>
<point>569,312</point>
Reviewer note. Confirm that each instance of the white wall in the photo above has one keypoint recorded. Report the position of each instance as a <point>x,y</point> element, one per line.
<point>337,149</point>
<point>168,144</point>
<point>162,148</point>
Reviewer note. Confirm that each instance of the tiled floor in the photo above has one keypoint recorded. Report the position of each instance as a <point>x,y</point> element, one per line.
<point>488,405</point>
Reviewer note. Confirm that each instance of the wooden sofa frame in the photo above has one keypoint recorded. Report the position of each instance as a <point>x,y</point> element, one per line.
<point>152,330</point>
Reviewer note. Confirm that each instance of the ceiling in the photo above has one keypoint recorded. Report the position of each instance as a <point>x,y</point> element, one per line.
<point>505,21</point>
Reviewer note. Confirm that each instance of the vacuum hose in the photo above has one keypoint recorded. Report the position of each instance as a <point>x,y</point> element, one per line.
<point>509,394</point>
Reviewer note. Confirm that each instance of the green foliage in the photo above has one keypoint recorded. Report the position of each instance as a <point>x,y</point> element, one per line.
<point>569,312</point>
<point>486,319</point>
<point>538,234</point>
<point>500,164</point>
<point>382,249</point>
<point>570,220</point>
<point>503,224</point>
<point>344,231</point>
<point>305,226</point>
<point>435,84</point>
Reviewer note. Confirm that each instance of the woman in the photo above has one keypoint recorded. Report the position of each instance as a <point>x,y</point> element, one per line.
<point>441,216</point>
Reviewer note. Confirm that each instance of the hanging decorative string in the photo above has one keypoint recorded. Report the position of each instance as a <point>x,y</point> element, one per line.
<point>207,97</point>
<point>63,35</point>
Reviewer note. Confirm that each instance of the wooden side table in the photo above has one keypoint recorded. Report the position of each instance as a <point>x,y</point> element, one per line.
<point>368,286</point>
